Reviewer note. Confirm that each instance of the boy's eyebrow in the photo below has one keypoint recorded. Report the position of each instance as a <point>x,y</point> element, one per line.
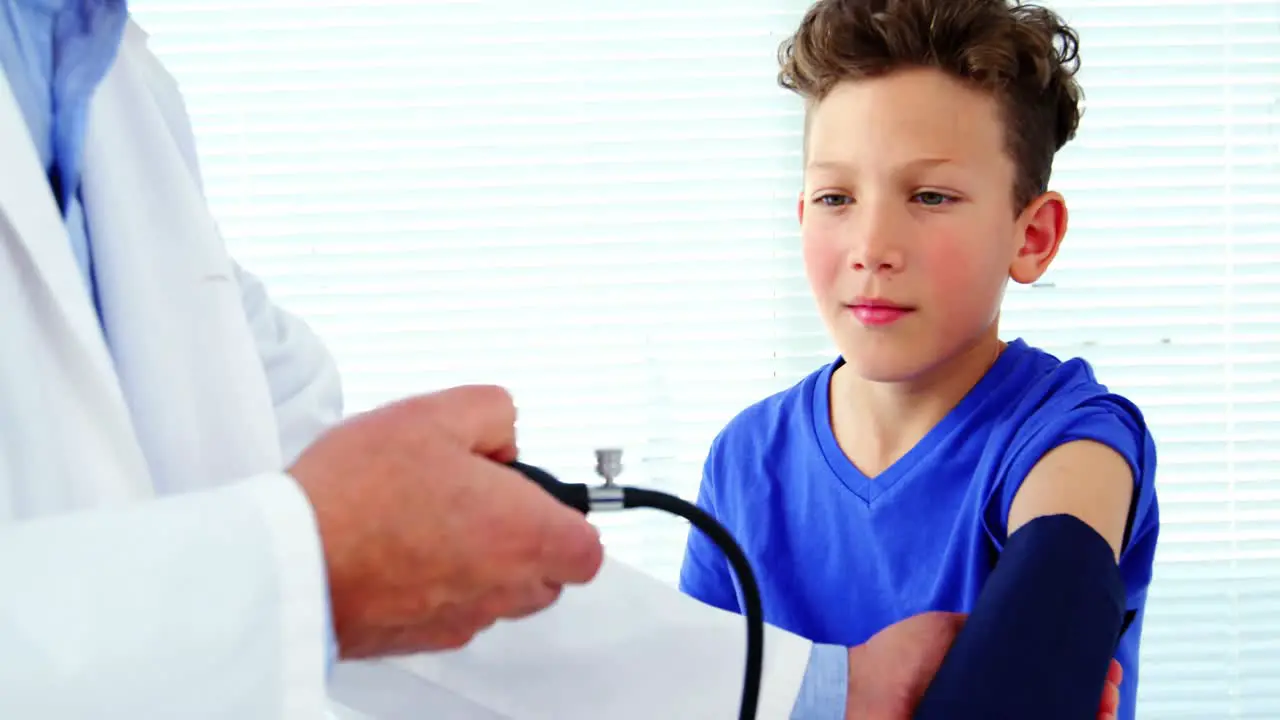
<point>916,164</point>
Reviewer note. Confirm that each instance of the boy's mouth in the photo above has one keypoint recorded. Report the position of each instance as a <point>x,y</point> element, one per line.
<point>878,311</point>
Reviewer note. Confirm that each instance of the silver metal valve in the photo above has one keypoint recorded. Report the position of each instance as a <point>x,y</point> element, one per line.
<point>608,496</point>
<point>609,464</point>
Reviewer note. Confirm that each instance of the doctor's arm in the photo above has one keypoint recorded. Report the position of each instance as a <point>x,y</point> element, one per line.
<point>142,610</point>
<point>215,597</point>
<point>306,389</point>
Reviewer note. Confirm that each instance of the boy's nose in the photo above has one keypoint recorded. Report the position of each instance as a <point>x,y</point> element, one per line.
<point>876,263</point>
<point>875,248</point>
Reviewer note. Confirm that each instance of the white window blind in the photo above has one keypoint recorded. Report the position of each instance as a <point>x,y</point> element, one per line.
<point>593,204</point>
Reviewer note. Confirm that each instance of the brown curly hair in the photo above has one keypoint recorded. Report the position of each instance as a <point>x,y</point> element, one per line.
<point>1025,56</point>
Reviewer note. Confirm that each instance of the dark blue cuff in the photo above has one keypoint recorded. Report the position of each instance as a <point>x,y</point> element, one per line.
<point>1043,631</point>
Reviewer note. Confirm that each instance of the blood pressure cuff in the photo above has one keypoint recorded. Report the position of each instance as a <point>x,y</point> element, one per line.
<point>1041,637</point>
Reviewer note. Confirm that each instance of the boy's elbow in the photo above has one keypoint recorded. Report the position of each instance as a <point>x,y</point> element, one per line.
<point>1084,479</point>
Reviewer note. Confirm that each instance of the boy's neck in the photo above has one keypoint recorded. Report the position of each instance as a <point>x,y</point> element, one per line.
<point>877,423</point>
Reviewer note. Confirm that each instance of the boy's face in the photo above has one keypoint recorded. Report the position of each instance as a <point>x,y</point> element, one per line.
<point>908,222</point>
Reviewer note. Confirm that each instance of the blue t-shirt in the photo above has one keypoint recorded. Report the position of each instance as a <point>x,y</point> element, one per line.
<point>840,556</point>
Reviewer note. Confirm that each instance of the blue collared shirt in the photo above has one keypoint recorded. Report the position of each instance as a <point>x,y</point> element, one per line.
<point>54,54</point>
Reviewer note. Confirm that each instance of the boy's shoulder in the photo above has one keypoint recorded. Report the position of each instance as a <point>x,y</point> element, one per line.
<point>1046,402</point>
<point>1037,386</point>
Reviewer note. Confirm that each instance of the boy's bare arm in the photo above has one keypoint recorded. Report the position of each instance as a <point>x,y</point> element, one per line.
<point>1047,621</point>
<point>1083,478</point>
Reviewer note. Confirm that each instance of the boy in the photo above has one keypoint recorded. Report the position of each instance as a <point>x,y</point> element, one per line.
<point>887,483</point>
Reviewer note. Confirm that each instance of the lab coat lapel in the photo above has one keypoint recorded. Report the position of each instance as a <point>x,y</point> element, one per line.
<point>170,300</point>
<point>66,441</point>
<point>33,216</point>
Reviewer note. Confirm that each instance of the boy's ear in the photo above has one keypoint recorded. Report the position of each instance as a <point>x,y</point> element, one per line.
<point>1040,231</point>
<point>800,207</point>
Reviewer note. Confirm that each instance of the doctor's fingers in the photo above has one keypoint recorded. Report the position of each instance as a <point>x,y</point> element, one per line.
<point>516,602</point>
<point>456,624</point>
<point>482,418</point>
<point>556,543</point>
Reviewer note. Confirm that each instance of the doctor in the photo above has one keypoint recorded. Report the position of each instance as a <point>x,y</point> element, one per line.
<point>188,528</point>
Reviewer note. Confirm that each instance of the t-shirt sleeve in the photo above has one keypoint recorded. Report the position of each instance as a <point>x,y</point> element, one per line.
<point>705,573</point>
<point>1107,419</point>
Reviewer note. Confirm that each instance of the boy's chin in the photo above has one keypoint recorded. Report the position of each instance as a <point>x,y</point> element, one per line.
<point>916,361</point>
<point>888,365</point>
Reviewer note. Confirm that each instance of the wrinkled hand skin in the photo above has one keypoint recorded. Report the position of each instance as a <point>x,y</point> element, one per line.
<point>889,673</point>
<point>428,537</point>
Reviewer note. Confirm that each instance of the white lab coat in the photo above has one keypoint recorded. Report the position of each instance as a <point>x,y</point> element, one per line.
<point>208,603</point>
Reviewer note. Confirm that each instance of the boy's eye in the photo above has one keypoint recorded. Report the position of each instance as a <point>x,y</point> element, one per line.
<point>932,199</point>
<point>834,200</point>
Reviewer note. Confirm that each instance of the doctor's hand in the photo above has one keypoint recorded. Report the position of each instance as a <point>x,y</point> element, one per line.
<point>428,537</point>
<point>889,673</point>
